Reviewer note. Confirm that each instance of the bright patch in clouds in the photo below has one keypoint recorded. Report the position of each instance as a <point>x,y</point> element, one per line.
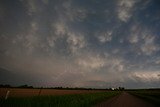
<point>90,63</point>
<point>76,42</point>
<point>125,8</point>
<point>104,36</point>
<point>146,76</point>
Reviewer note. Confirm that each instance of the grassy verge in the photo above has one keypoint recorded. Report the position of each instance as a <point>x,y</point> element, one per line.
<point>150,96</point>
<point>77,100</point>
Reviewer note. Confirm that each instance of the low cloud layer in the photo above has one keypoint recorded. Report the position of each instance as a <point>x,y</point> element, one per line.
<point>79,43</point>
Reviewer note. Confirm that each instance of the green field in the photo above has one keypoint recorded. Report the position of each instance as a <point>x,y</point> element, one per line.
<point>152,96</point>
<point>77,100</point>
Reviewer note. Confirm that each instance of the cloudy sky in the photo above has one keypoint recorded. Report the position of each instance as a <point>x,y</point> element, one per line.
<point>80,43</point>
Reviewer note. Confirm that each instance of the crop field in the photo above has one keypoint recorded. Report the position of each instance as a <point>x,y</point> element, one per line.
<point>23,97</point>
<point>152,96</point>
<point>54,98</point>
<point>19,92</point>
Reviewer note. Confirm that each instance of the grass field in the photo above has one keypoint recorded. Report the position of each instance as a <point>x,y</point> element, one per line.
<point>76,100</point>
<point>152,96</point>
<point>24,92</point>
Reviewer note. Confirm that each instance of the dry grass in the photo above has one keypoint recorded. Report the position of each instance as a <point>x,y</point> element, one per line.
<point>16,92</point>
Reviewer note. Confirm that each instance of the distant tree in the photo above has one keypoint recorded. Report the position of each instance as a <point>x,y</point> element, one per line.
<point>58,87</point>
<point>121,88</point>
<point>5,86</point>
<point>25,86</point>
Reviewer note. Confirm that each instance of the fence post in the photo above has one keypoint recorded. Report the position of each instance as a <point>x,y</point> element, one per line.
<point>7,95</point>
<point>39,91</point>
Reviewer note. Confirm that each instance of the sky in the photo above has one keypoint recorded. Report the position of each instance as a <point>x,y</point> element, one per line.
<point>80,43</point>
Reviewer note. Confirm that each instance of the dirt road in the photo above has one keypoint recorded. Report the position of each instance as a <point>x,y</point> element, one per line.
<point>125,100</point>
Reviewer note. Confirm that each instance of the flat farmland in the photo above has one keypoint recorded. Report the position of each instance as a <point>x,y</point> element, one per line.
<point>19,97</point>
<point>23,92</point>
<point>53,97</point>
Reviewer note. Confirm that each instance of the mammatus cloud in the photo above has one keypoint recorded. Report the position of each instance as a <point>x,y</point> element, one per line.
<point>45,1</point>
<point>76,42</point>
<point>149,45</point>
<point>157,61</point>
<point>70,12</point>
<point>95,62</point>
<point>32,6</point>
<point>79,43</point>
<point>125,9</point>
<point>91,63</point>
<point>144,39</point>
<point>60,28</point>
<point>31,40</point>
<point>104,36</point>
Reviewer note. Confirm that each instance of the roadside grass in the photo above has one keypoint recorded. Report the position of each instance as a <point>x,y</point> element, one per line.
<point>76,100</point>
<point>150,96</point>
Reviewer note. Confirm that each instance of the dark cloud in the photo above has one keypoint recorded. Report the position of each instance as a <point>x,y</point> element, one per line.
<point>80,43</point>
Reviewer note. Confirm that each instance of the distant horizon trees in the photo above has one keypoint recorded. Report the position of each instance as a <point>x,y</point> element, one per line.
<point>5,86</point>
<point>9,86</point>
<point>25,86</point>
<point>60,88</point>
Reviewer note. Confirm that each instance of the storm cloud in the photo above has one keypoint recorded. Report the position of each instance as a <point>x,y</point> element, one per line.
<point>80,43</point>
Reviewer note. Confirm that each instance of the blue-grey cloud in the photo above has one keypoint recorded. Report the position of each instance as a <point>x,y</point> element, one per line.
<point>79,43</point>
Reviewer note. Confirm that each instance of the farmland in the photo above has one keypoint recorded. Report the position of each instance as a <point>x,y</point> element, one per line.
<point>23,92</point>
<point>23,97</point>
<point>52,97</point>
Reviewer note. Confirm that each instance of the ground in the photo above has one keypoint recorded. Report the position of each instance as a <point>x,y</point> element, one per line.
<point>125,100</point>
